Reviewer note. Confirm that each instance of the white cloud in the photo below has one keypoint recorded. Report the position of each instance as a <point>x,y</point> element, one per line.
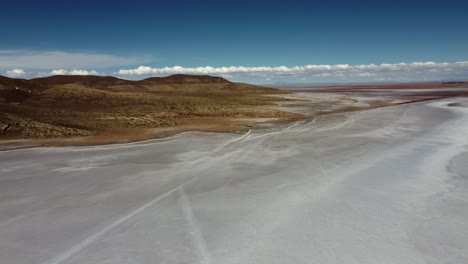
<point>145,70</point>
<point>64,72</point>
<point>32,59</point>
<point>69,72</point>
<point>58,72</point>
<point>345,72</point>
<point>366,70</point>
<point>82,72</point>
<point>15,73</point>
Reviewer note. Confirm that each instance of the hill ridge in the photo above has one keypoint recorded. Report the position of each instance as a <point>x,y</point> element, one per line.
<point>111,80</point>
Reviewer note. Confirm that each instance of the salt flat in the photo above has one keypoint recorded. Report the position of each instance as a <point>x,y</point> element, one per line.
<point>387,185</point>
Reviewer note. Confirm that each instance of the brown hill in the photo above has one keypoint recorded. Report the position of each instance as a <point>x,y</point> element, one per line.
<point>62,106</point>
<point>90,80</point>
<point>11,82</point>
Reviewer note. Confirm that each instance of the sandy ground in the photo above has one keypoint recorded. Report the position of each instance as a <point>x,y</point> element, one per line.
<point>387,185</point>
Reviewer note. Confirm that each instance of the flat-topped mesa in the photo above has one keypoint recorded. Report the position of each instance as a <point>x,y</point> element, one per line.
<point>185,79</point>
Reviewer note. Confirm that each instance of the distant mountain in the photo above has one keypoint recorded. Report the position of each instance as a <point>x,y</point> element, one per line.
<point>90,80</point>
<point>186,79</point>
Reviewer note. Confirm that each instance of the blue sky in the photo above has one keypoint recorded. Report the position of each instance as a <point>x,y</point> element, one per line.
<point>137,39</point>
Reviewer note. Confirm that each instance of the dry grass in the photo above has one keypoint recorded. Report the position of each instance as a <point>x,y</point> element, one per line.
<point>84,107</point>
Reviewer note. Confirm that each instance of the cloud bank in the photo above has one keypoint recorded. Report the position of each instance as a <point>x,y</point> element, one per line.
<point>320,72</point>
<point>72,72</point>
<point>365,70</point>
<point>15,73</point>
